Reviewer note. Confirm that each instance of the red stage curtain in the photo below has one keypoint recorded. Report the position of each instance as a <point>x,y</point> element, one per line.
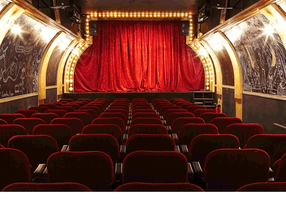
<point>142,56</point>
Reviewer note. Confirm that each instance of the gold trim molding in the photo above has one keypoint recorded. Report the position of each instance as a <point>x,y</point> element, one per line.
<point>14,98</point>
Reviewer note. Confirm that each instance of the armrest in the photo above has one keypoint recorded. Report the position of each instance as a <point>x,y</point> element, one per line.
<point>122,149</point>
<point>128,122</point>
<point>37,175</point>
<point>164,122</point>
<point>271,173</point>
<point>65,148</point>
<point>118,172</point>
<point>125,137</point>
<point>190,172</point>
<point>175,137</point>
<point>197,168</point>
<point>127,128</point>
<point>177,148</point>
<point>169,129</point>
<point>185,150</point>
<point>161,117</point>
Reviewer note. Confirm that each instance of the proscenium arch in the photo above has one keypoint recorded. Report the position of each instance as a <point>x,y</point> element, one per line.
<point>42,73</point>
<point>61,67</point>
<point>237,71</point>
<point>217,73</point>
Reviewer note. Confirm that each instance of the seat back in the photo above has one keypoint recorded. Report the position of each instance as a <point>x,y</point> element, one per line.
<point>194,107</point>
<point>95,108</point>
<point>186,104</point>
<point>41,109</point>
<point>92,113</point>
<point>180,121</point>
<point>29,123</point>
<point>49,105</point>
<point>146,120</point>
<point>229,169</point>
<point>47,117</point>
<point>144,114</point>
<point>37,148</point>
<point>169,111</point>
<point>209,116</point>
<point>9,130</point>
<point>9,118</point>
<point>60,132</point>
<point>66,108</point>
<point>243,131</point>
<point>165,108</point>
<point>155,167</point>
<point>142,186</point>
<point>222,122</point>
<point>190,130</point>
<point>96,142</point>
<point>27,113</point>
<point>174,115</point>
<point>281,170</point>
<point>112,129</point>
<point>75,124</point>
<point>59,112</point>
<point>151,142</point>
<point>2,121</point>
<point>110,120</point>
<point>115,114</point>
<point>273,144</point>
<point>147,129</point>
<point>199,112</point>
<point>93,169</point>
<point>264,187</point>
<point>123,111</point>
<point>14,167</point>
<point>45,187</point>
<point>204,144</point>
<point>83,116</point>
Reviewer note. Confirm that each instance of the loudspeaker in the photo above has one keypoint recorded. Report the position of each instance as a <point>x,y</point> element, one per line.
<point>185,28</point>
<point>93,28</point>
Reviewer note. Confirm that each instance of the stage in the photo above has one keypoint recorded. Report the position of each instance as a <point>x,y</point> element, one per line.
<point>189,96</point>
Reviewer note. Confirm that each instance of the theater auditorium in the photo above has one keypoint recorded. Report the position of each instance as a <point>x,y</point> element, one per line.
<point>121,96</point>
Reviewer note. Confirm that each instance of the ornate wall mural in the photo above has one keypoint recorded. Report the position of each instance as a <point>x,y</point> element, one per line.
<point>20,55</point>
<point>262,55</point>
<point>2,4</point>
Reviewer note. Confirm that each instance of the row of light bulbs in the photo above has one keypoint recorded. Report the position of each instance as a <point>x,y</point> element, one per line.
<point>206,61</point>
<point>139,15</point>
<point>74,57</point>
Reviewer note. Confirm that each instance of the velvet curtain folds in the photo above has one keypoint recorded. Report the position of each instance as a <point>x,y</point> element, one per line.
<point>141,56</point>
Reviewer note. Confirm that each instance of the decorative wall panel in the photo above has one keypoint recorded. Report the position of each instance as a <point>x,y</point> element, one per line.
<point>262,55</point>
<point>223,58</point>
<point>20,56</point>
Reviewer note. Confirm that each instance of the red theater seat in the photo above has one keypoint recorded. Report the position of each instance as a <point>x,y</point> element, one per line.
<point>9,118</point>
<point>110,120</point>
<point>186,104</point>
<point>191,130</point>
<point>165,108</point>
<point>83,116</point>
<point>199,112</point>
<point>75,124</point>
<point>123,111</point>
<point>41,109</point>
<point>158,187</point>
<point>67,100</point>
<point>2,121</point>
<point>153,142</point>
<point>208,117</point>
<point>230,169</point>
<point>27,113</point>
<point>47,117</point>
<point>28,123</point>
<point>59,112</point>
<point>174,115</point>
<point>115,114</point>
<point>84,99</point>
<point>104,129</point>
<point>281,171</point>
<point>155,167</point>
<point>147,129</point>
<point>222,122</point>
<point>144,114</point>
<point>49,105</point>
<point>264,187</point>
<point>60,132</point>
<point>95,108</point>
<point>37,148</point>
<point>9,130</point>
<point>93,169</point>
<point>66,108</point>
<point>244,131</point>
<point>15,167</point>
<point>194,107</point>
<point>46,187</point>
<point>273,144</point>
<point>181,121</point>
<point>204,144</point>
<point>92,113</point>
<point>96,142</point>
<point>146,120</point>
<point>74,105</point>
<point>169,111</point>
